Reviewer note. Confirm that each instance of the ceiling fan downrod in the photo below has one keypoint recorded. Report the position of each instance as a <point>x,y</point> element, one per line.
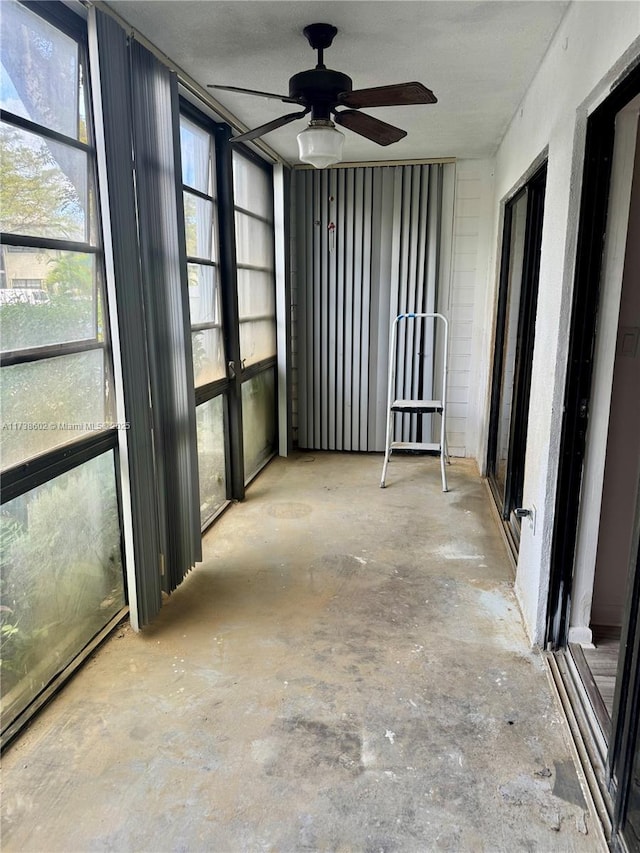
<point>320,37</point>
<point>320,86</point>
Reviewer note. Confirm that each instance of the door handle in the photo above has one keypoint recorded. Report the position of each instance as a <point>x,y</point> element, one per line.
<point>232,368</point>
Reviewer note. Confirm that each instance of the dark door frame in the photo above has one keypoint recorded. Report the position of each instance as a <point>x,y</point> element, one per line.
<point>535,190</point>
<point>230,313</point>
<point>578,387</point>
<point>624,751</point>
<point>582,338</point>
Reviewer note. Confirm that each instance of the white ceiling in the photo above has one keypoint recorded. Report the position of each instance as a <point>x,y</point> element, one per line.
<point>478,57</point>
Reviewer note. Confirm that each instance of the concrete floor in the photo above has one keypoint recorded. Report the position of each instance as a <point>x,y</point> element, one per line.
<point>346,671</point>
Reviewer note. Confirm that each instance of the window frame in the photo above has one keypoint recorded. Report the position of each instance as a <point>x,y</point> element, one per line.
<point>271,362</point>
<point>230,386</point>
<point>265,363</point>
<point>38,469</point>
<point>29,474</point>
<point>218,387</point>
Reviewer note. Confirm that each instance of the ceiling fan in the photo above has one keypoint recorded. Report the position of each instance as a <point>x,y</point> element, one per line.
<point>322,92</point>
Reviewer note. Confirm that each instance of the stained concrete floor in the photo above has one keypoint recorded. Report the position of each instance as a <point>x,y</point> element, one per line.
<point>346,671</point>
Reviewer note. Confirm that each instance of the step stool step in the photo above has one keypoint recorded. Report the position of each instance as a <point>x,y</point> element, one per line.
<point>418,406</point>
<point>416,445</point>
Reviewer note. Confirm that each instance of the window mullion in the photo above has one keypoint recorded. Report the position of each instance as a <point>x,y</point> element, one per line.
<point>10,118</point>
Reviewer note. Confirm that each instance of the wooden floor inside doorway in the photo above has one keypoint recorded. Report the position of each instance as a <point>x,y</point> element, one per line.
<point>603,661</point>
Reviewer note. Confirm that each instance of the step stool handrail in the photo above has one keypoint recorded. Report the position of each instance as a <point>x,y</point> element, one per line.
<point>414,315</point>
<point>392,355</point>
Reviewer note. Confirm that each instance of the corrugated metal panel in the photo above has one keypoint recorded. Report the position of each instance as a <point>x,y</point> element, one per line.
<point>368,249</point>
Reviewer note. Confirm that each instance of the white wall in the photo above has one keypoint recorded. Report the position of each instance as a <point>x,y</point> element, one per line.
<point>472,232</point>
<point>593,46</point>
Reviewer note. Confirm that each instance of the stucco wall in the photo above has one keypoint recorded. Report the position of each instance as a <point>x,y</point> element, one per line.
<point>593,46</point>
<point>471,244</point>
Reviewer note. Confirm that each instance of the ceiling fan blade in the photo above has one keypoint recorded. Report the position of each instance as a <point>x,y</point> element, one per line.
<point>269,126</point>
<point>398,94</point>
<point>285,98</point>
<point>370,127</point>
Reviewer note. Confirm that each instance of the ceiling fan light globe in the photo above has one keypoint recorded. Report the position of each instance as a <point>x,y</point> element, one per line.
<point>320,144</point>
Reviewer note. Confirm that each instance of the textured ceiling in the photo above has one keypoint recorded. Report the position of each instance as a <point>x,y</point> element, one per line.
<point>478,58</point>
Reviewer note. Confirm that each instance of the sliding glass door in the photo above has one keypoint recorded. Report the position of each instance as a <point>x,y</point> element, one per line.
<point>513,355</point>
<point>230,273</point>
<point>253,216</point>
<point>205,308</point>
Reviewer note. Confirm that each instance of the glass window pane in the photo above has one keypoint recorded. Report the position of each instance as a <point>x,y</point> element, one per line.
<point>51,402</point>
<point>259,429</point>
<point>61,576</point>
<point>195,150</point>
<point>44,188</point>
<point>252,188</point>
<point>254,241</point>
<point>204,294</point>
<point>517,239</point>
<point>49,297</point>
<point>208,356</point>
<point>256,294</point>
<point>211,457</point>
<point>39,67</point>
<point>198,227</point>
<point>257,340</point>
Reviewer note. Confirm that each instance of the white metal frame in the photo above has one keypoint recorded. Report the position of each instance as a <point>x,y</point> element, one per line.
<point>416,406</point>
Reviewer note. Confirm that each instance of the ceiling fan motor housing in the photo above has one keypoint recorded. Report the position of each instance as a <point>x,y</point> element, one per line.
<point>319,89</point>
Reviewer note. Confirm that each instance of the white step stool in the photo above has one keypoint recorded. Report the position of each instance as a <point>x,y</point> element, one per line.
<point>421,407</point>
